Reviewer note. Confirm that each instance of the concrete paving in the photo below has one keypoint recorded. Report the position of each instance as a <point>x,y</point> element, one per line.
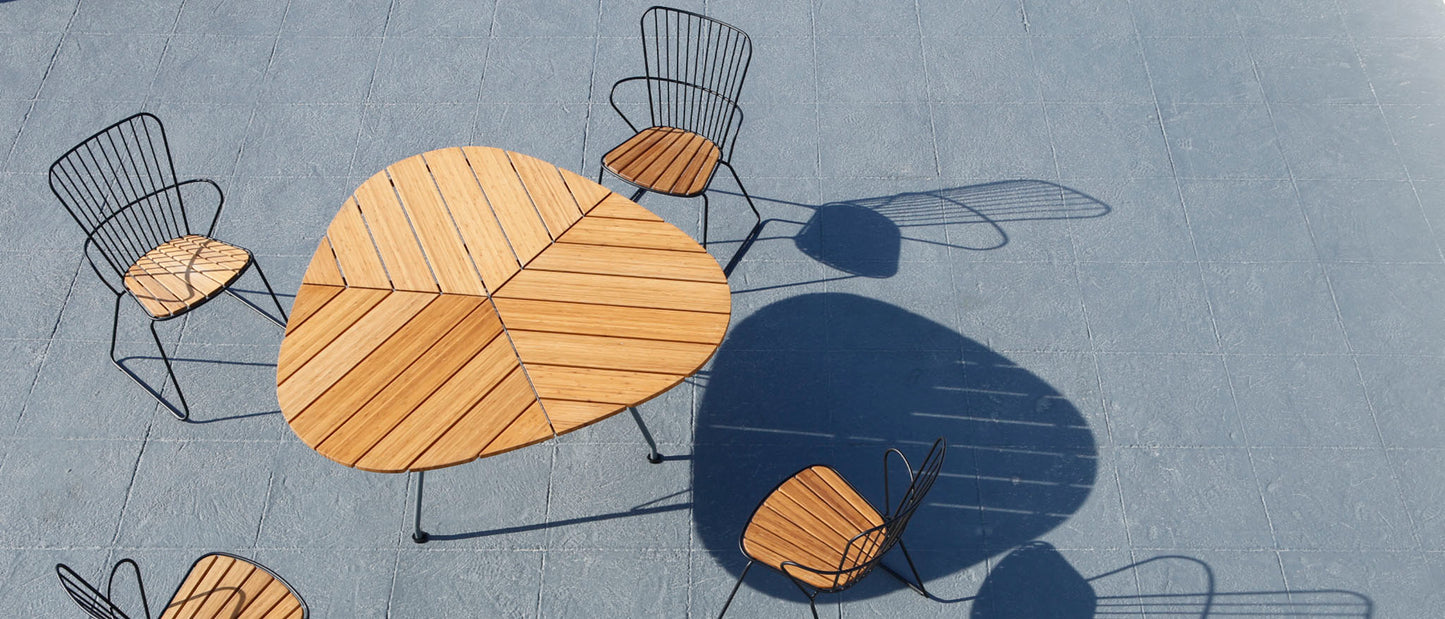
<point>1167,274</point>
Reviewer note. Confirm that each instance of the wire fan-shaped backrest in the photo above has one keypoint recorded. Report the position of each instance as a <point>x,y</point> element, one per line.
<point>119,185</point>
<point>90,600</point>
<point>696,65</point>
<point>866,549</point>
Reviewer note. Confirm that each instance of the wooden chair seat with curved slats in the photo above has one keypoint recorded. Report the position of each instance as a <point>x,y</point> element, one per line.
<point>183,273</point>
<point>809,520</point>
<point>666,160</point>
<point>219,585</point>
<point>817,530</point>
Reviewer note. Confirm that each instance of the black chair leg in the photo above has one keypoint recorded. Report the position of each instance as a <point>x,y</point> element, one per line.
<point>735,590</point>
<point>274,299</point>
<point>253,306</point>
<point>746,196</point>
<point>916,587</point>
<point>184,412</point>
<point>637,195</point>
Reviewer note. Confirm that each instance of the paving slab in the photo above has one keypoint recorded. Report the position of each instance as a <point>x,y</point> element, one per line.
<point>1165,274</point>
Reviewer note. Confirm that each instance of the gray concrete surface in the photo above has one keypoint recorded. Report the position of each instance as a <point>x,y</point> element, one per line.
<point>1168,274</point>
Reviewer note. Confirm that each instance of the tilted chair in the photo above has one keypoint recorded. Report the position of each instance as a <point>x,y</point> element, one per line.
<point>218,585</point>
<point>824,536</point>
<point>120,186</point>
<point>695,67</point>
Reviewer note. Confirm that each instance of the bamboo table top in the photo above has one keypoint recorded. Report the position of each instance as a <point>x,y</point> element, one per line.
<point>469,301</point>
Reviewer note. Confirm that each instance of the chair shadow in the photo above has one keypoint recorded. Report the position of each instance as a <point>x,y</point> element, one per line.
<point>836,379</point>
<point>1012,589</point>
<point>863,237</point>
<point>157,360</point>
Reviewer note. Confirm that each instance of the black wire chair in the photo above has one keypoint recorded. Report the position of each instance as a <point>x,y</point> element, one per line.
<point>695,67</point>
<point>120,186</point>
<point>217,585</point>
<point>817,530</point>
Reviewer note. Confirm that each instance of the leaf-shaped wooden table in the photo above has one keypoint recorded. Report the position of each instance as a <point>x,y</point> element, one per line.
<point>470,301</point>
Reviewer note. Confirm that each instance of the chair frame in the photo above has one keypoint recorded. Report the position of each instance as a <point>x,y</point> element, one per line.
<point>868,543</point>
<point>720,124</point>
<point>94,602</point>
<point>76,182</point>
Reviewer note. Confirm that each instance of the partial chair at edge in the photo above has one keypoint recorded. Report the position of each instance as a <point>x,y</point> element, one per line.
<point>817,530</point>
<point>695,67</point>
<point>120,186</point>
<point>219,585</point>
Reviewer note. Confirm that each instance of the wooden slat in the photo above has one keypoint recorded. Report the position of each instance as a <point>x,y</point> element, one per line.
<point>569,415</point>
<point>485,241</point>
<point>550,195</point>
<point>612,353</point>
<point>309,299</point>
<point>162,294</point>
<point>584,191</point>
<point>614,290</point>
<point>323,268</point>
<point>340,355</point>
<point>380,416</point>
<point>186,608</point>
<point>631,233</point>
<point>649,171</point>
<point>370,374</point>
<point>635,322</point>
<point>637,146</point>
<point>596,385</point>
<point>258,595</point>
<point>197,247</point>
<point>488,419</point>
<point>313,335</point>
<point>509,200</point>
<point>355,252</point>
<point>444,248</point>
<point>694,178</point>
<point>630,261</point>
<point>618,207</point>
<point>224,599</point>
<point>839,496</point>
<point>397,450</point>
<point>672,177</point>
<point>530,428</point>
<point>189,586</point>
<point>405,262</point>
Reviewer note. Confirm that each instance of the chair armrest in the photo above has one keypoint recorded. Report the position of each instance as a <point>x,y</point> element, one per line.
<point>612,98</point>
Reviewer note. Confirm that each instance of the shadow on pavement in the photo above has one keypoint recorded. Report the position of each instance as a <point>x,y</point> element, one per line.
<point>789,388</point>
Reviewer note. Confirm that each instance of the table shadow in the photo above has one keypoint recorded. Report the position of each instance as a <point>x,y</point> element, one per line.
<point>836,379</point>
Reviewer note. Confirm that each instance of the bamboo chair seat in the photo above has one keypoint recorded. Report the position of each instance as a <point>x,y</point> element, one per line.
<point>184,272</point>
<point>231,587</point>
<point>666,160</point>
<point>809,520</point>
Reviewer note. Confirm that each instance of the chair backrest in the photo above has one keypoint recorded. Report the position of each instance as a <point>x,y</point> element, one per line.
<point>695,66</point>
<point>86,596</point>
<point>120,186</point>
<point>866,549</point>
